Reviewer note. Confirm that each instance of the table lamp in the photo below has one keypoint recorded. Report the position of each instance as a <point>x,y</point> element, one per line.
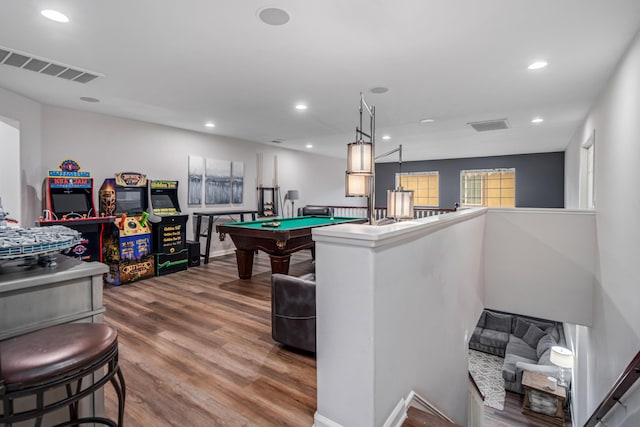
<point>563,358</point>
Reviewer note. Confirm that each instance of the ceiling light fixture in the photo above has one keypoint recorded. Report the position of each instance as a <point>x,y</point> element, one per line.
<point>386,137</point>
<point>537,65</point>
<point>427,121</point>
<point>210,125</point>
<point>273,16</point>
<point>54,15</point>
<point>379,90</point>
<point>537,120</point>
<point>301,107</point>
<point>309,146</point>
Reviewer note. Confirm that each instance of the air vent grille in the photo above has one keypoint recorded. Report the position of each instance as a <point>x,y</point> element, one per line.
<point>277,141</point>
<point>490,125</point>
<point>46,66</point>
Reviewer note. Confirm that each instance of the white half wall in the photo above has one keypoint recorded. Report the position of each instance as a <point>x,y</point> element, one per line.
<point>396,306</point>
<point>541,262</point>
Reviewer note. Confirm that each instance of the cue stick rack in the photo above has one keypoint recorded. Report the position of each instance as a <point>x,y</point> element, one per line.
<point>268,198</point>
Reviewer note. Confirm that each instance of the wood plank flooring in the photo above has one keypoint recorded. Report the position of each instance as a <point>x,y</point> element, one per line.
<point>196,351</point>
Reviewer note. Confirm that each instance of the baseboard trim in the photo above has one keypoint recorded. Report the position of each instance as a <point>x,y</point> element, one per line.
<point>322,421</point>
<point>398,415</point>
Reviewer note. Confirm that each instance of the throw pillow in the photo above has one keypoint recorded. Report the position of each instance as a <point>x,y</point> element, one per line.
<point>545,343</point>
<point>533,335</point>
<point>553,331</point>
<point>498,322</point>
<point>521,327</point>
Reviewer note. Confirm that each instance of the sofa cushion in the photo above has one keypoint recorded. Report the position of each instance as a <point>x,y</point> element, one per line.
<point>545,343</point>
<point>492,338</point>
<point>498,322</point>
<point>520,348</point>
<point>521,327</point>
<point>509,371</point>
<point>533,335</point>
<point>483,318</point>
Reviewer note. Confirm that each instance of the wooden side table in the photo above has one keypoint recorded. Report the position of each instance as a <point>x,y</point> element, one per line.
<point>540,400</point>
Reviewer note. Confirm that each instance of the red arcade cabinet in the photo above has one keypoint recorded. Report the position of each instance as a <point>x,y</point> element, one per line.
<point>68,201</point>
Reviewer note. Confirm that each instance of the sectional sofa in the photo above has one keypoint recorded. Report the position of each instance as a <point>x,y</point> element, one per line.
<point>524,342</point>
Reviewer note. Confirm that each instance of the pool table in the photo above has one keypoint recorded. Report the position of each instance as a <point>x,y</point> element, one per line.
<point>279,237</point>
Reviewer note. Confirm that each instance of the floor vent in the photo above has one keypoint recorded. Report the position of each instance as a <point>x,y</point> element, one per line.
<point>46,66</point>
<point>489,125</point>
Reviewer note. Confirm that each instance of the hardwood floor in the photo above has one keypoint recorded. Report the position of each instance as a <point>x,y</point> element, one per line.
<point>196,351</point>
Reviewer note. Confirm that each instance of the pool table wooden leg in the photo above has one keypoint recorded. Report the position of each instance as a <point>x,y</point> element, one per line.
<point>280,264</point>
<point>244,258</point>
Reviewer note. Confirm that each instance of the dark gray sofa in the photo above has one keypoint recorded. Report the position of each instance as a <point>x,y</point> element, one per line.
<point>524,342</point>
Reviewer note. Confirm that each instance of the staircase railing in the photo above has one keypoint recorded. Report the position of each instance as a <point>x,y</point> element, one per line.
<point>621,386</point>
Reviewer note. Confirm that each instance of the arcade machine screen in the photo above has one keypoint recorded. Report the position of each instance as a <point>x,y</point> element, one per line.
<point>66,203</point>
<point>162,201</point>
<point>130,200</point>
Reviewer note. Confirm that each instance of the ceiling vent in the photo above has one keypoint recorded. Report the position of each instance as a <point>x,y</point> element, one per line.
<point>489,125</point>
<point>277,141</point>
<point>46,66</point>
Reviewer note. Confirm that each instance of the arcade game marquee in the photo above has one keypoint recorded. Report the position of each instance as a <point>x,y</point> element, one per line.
<point>126,245</point>
<point>169,227</point>
<point>68,201</point>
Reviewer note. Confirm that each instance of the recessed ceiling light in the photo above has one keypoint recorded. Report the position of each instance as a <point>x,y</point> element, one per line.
<point>379,90</point>
<point>54,15</point>
<point>301,107</point>
<point>210,125</point>
<point>427,121</point>
<point>537,120</point>
<point>89,99</point>
<point>309,146</point>
<point>385,137</point>
<point>273,16</point>
<point>537,65</point>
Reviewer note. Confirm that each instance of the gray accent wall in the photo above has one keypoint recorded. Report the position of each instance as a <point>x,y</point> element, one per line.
<point>539,177</point>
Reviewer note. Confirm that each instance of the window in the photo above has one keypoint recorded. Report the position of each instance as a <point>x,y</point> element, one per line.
<point>488,187</point>
<point>425,186</point>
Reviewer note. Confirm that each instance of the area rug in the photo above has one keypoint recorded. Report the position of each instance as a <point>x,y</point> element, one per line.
<point>486,369</point>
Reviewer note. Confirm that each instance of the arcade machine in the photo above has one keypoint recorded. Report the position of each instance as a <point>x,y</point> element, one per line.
<point>169,227</point>
<point>126,245</point>
<point>68,201</point>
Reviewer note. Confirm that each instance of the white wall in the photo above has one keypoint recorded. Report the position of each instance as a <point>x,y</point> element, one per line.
<point>10,191</point>
<point>27,114</point>
<point>104,145</point>
<point>615,336</point>
<point>395,311</point>
<point>540,262</point>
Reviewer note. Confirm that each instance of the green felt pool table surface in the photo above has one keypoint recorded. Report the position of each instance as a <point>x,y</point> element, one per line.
<point>293,223</point>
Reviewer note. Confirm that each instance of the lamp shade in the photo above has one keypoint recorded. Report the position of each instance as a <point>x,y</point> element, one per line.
<point>356,185</point>
<point>292,195</point>
<point>360,158</point>
<point>561,357</point>
<point>400,204</point>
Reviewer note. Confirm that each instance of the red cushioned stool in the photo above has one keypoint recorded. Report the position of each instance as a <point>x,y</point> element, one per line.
<point>59,356</point>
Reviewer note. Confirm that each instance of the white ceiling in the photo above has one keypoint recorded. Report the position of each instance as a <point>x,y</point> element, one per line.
<point>183,63</point>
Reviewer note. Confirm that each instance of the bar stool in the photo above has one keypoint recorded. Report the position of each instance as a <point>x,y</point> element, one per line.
<point>56,357</point>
